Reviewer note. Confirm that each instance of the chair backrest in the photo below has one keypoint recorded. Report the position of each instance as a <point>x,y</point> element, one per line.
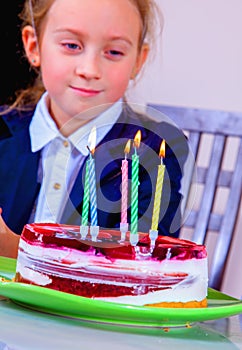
<point>215,138</point>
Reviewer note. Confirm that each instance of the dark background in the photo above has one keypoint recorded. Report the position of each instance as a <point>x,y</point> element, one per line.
<point>14,69</point>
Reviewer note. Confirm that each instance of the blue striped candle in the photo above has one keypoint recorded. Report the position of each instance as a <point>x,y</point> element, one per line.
<point>92,182</point>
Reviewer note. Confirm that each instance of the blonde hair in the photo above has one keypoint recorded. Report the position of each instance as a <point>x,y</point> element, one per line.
<point>34,13</point>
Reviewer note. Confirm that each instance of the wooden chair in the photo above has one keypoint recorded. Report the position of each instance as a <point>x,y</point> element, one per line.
<point>215,138</point>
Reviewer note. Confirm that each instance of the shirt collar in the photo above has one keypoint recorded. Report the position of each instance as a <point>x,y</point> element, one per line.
<point>43,128</point>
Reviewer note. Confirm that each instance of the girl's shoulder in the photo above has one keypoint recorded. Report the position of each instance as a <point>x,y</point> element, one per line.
<point>16,114</point>
<point>15,119</point>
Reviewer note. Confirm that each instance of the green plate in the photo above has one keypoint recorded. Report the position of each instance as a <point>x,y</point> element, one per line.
<point>63,304</point>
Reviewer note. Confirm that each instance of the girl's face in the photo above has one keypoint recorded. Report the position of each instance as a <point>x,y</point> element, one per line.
<point>88,53</point>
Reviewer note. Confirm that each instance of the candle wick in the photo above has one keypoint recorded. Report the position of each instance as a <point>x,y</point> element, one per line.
<point>161,160</point>
<point>90,152</point>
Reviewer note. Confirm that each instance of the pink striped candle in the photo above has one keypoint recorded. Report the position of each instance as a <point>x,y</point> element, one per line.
<point>124,190</point>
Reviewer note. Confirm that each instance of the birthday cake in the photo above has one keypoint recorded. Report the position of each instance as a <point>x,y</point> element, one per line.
<point>172,273</point>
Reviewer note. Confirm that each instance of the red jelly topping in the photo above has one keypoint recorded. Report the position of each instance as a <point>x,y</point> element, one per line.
<point>108,243</point>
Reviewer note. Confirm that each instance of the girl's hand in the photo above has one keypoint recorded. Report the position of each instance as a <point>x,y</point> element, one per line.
<point>8,240</point>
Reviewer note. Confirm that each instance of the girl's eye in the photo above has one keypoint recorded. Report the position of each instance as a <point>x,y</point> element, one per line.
<point>72,46</point>
<point>114,54</point>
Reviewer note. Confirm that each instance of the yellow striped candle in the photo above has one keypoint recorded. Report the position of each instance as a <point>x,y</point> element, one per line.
<point>158,189</point>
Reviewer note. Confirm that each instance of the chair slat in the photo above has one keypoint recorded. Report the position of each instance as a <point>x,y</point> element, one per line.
<point>203,120</point>
<point>215,220</point>
<point>194,139</point>
<point>225,237</point>
<point>199,235</point>
<point>224,179</point>
<point>202,219</point>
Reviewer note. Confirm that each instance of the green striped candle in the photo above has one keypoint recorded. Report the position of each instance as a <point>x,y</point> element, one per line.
<point>134,191</point>
<point>85,204</point>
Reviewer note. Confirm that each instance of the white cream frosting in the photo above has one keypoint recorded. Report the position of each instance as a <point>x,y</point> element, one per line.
<point>64,262</point>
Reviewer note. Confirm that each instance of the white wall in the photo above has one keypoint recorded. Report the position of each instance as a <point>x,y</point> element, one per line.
<point>198,63</point>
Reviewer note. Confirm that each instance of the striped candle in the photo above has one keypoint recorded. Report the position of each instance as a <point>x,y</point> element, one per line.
<point>92,184</point>
<point>93,193</point>
<point>134,190</point>
<point>124,190</point>
<point>157,200</point>
<point>85,204</point>
<point>158,189</point>
<point>124,226</point>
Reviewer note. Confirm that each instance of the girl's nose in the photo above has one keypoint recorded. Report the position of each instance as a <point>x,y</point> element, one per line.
<point>89,67</point>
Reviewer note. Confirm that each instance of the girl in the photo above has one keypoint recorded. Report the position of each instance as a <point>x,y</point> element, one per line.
<point>84,58</point>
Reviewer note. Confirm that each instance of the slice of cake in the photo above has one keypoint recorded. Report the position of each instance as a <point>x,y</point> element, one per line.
<point>173,273</point>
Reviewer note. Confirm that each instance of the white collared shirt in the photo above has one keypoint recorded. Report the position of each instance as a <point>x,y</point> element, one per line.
<point>61,157</point>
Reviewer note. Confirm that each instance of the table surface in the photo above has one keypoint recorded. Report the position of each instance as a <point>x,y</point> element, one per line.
<point>22,328</point>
